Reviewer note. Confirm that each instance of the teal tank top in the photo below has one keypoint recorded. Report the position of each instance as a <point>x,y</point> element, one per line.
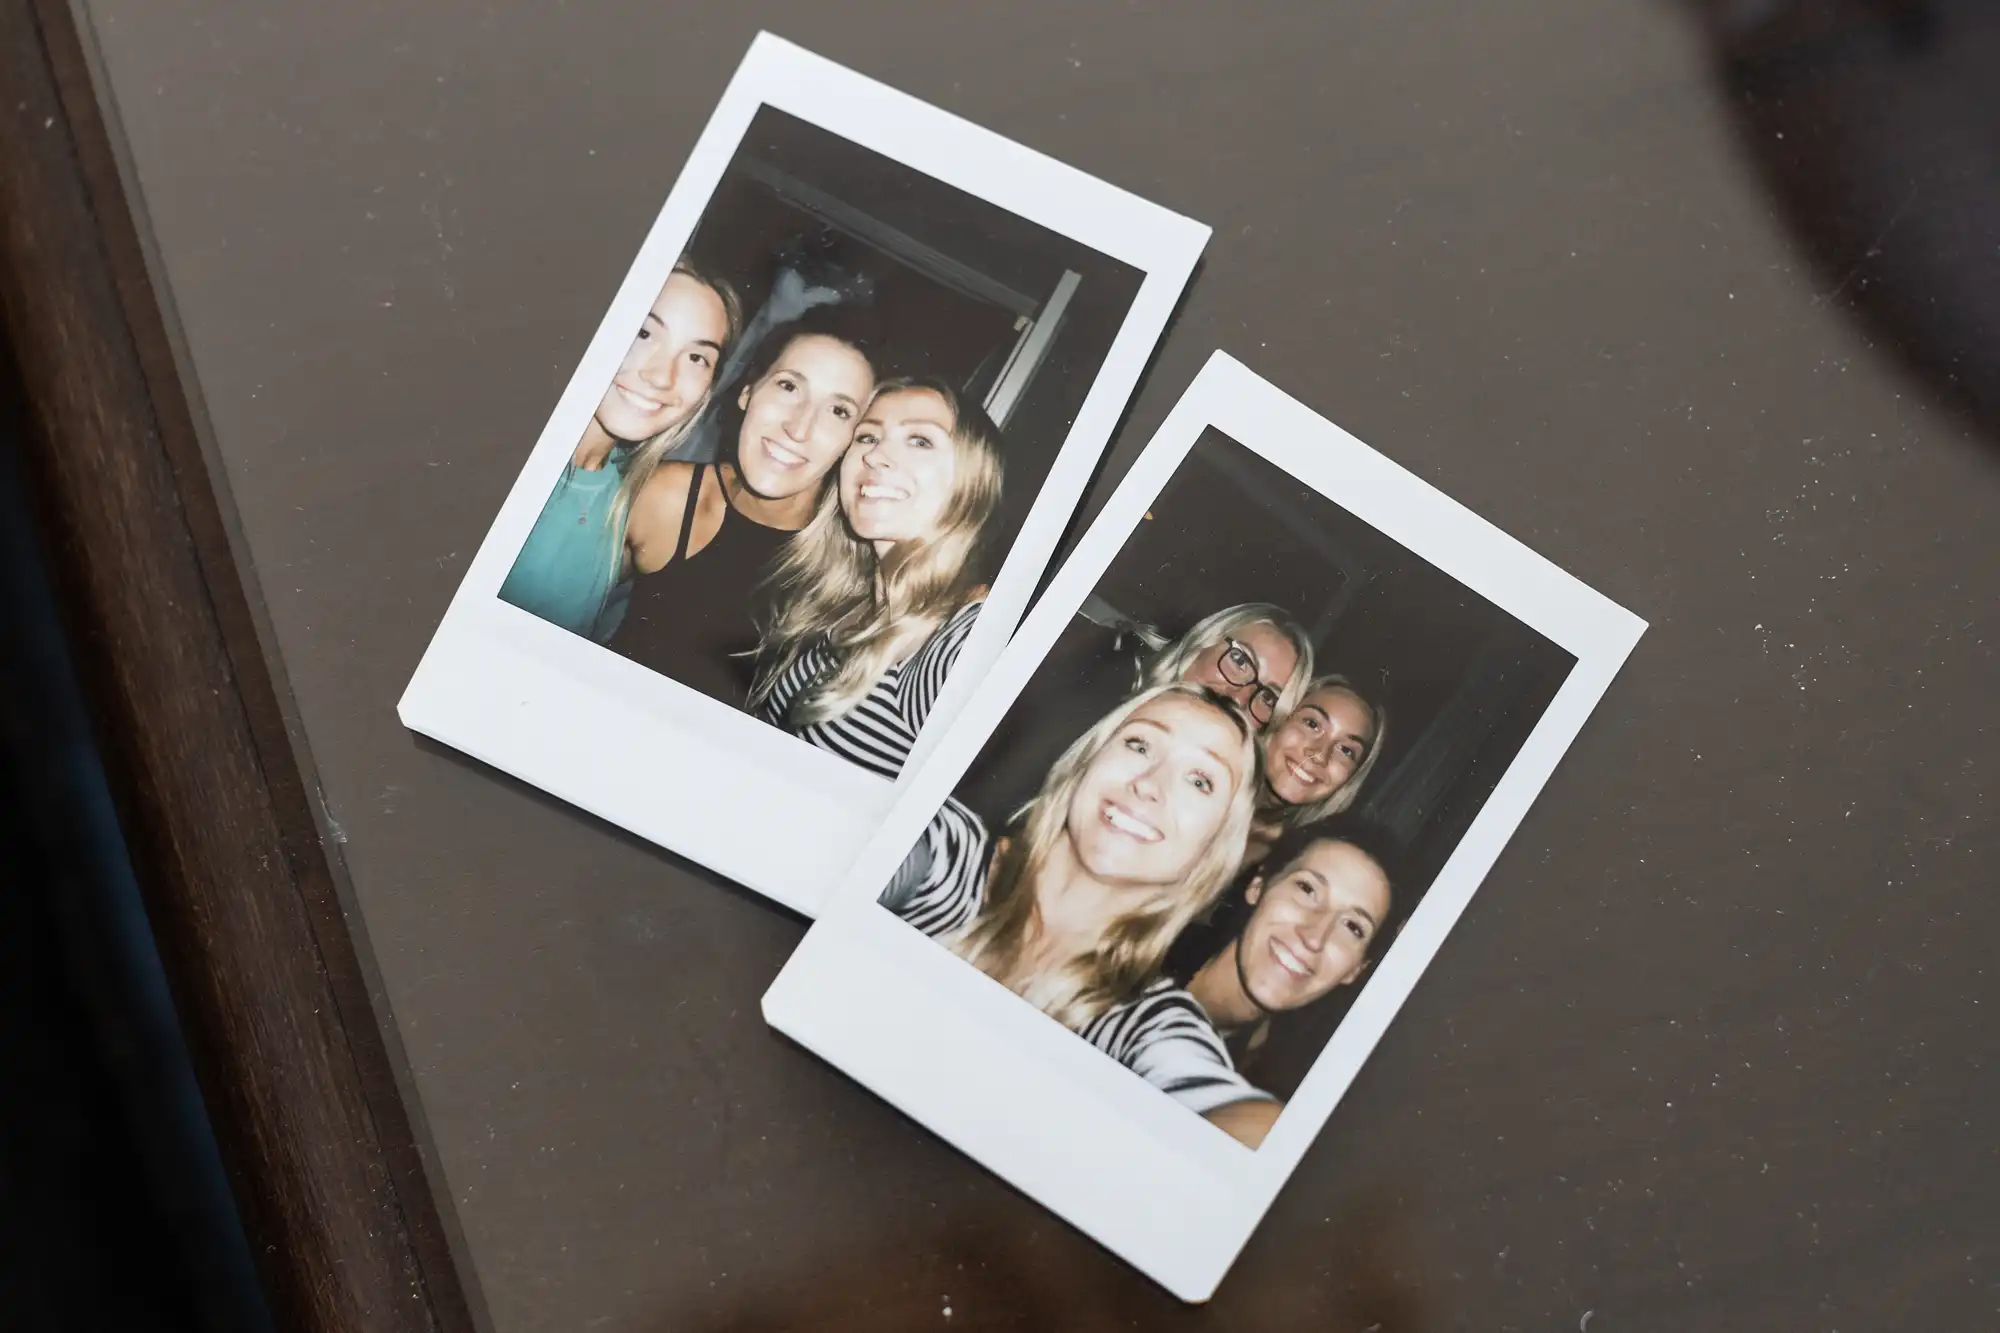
<point>563,573</point>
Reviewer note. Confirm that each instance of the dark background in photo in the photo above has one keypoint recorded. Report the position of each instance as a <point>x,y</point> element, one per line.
<point>943,282</point>
<point>1463,681</point>
<point>938,281</point>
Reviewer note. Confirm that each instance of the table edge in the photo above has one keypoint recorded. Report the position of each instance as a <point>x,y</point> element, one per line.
<point>210,792</point>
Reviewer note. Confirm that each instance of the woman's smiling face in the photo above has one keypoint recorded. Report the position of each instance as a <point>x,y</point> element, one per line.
<point>799,418</point>
<point>1313,752</point>
<point>1313,922</point>
<point>671,364</point>
<point>898,476</point>
<point>1152,799</point>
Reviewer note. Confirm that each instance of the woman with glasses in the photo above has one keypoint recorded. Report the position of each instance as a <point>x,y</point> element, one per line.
<point>1252,653</point>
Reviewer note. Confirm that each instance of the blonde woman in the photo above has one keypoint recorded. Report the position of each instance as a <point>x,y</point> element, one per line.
<point>1253,653</point>
<point>1137,828</point>
<point>875,598</point>
<point>1316,760</point>
<point>703,537</point>
<point>571,569</point>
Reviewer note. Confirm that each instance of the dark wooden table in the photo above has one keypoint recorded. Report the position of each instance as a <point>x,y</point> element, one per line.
<point>1699,300</point>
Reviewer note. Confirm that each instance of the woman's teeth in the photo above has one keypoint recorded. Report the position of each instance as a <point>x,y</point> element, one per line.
<point>1126,822</point>
<point>638,400</point>
<point>1288,960</point>
<point>876,491</point>
<point>782,456</point>
<point>1303,774</point>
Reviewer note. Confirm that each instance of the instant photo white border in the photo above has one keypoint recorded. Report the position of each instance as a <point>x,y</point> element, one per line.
<point>652,755</point>
<point>1159,1186</point>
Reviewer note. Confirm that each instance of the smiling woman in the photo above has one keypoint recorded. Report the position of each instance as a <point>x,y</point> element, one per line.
<point>1136,829</point>
<point>875,598</point>
<point>571,570</point>
<point>698,559</point>
<point>1316,760</point>
<point>702,535</point>
<point>1318,906</point>
<point>1101,895</point>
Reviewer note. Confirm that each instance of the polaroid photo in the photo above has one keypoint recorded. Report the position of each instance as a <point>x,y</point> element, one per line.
<point>1130,934</point>
<point>807,476</point>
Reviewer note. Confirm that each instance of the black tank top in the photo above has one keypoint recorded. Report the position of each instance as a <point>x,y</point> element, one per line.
<point>695,618</point>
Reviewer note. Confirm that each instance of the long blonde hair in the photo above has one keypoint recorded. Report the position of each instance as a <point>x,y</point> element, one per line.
<point>1349,791</point>
<point>829,586</point>
<point>1133,945</point>
<point>645,459</point>
<point>1174,660</point>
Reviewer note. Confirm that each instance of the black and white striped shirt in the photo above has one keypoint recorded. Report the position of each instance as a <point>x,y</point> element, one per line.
<point>942,881</point>
<point>1163,1035</point>
<point>878,733</point>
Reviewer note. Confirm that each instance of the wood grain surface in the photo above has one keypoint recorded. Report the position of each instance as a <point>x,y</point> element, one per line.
<point>262,968</point>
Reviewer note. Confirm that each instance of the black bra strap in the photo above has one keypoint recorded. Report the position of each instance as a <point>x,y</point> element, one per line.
<point>688,513</point>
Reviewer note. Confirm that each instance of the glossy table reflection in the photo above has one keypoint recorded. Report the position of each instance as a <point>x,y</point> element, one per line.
<point>1698,300</point>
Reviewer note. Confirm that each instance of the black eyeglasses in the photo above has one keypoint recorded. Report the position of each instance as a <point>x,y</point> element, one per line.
<point>1238,666</point>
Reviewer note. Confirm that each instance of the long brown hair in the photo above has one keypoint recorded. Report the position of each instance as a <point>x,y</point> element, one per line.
<point>644,460</point>
<point>1349,791</point>
<point>829,586</point>
<point>1133,945</point>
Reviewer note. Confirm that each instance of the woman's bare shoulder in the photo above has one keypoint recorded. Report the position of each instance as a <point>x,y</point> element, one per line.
<point>668,484</point>
<point>660,499</point>
<point>654,523</point>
